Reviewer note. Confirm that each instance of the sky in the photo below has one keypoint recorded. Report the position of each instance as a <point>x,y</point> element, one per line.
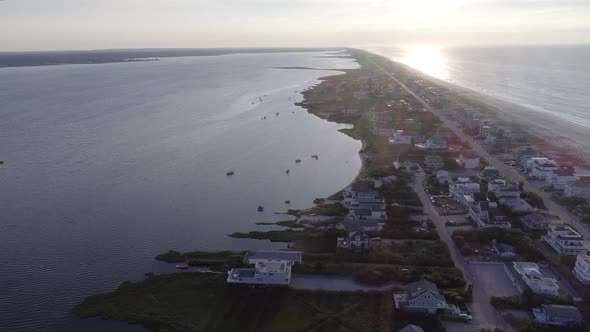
<point>31,25</point>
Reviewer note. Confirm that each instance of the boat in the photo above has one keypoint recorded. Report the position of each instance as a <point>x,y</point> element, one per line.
<point>288,171</point>
<point>287,202</point>
<point>260,208</point>
<point>182,266</point>
<point>230,173</point>
<point>298,160</point>
<point>315,156</point>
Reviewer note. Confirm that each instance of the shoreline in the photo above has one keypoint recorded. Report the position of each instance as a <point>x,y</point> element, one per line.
<point>545,124</point>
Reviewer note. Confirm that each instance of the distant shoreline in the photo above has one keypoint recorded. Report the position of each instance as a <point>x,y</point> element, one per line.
<point>52,58</point>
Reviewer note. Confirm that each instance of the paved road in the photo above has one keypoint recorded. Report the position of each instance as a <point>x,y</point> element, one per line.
<point>484,314</point>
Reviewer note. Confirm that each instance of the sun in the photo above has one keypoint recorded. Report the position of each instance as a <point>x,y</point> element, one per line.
<point>428,59</point>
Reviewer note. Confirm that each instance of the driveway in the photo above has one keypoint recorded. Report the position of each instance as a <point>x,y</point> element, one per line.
<point>332,283</point>
<point>494,277</point>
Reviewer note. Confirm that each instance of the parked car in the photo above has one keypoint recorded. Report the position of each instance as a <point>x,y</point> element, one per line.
<point>465,317</point>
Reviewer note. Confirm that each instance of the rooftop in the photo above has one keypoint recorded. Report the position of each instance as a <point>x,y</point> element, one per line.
<point>564,311</point>
<point>275,255</point>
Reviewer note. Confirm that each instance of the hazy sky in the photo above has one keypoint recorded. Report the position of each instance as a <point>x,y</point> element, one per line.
<point>93,24</point>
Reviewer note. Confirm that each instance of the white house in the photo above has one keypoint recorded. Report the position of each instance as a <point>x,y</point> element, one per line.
<point>270,268</point>
<point>463,188</point>
<point>421,296</point>
<point>565,240</point>
<point>469,160</point>
<point>504,190</point>
<point>582,269</point>
<point>534,222</point>
<point>558,315</point>
<point>401,137</point>
<point>541,167</point>
<point>526,275</point>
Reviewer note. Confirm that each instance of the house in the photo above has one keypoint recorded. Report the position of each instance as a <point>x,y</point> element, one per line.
<point>433,162</point>
<point>582,268</point>
<point>525,154</point>
<point>504,190</point>
<point>485,131</point>
<point>559,178</point>
<point>534,222</point>
<point>565,240</point>
<point>498,140</point>
<point>469,160</point>
<point>487,215</point>
<point>504,251</point>
<point>443,177</point>
<point>367,212</point>
<point>270,268</point>
<point>541,167</point>
<point>437,144</point>
<point>420,297</point>
<point>405,165</point>
<point>526,275</point>
<point>558,315</point>
<point>356,241</point>
<point>360,194</point>
<point>464,187</point>
<point>401,137</point>
<point>489,173</point>
<point>580,188</point>
<point>411,328</point>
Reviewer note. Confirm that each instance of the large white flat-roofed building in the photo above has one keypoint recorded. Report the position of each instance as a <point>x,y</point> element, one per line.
<point>565,240</point>
<point>270,268</point>
<point>526,275</point>
<point>582,269</point>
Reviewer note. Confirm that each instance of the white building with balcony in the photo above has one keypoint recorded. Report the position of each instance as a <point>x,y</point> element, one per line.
<point>582,269</point>
<point>565,240</point>
<point>270,268</point>
<point>526,275</point>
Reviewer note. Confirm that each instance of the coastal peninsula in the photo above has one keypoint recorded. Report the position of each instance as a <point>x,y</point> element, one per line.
<point>449,204</point>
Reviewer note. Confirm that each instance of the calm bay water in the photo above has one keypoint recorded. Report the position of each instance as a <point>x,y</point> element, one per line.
<point>550,79</point>
<point>108,165</point>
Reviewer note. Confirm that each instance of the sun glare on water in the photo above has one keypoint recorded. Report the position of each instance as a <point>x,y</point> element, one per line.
<point>427,59</point>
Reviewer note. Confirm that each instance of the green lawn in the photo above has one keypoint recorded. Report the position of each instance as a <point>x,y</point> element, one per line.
<point>204,302</point>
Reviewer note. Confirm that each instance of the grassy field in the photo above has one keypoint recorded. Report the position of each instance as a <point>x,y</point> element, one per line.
<point>204,302</point>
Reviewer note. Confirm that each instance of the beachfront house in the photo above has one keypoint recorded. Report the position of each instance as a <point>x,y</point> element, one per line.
<point>527,275</point>
<point>401,137</point>
<point>541,167</point>
<point>558,315</point>
<point>565,240</point>
<point>353,242</point>
<point>525,154</point>
<point>582,268</point>
<point>270,268</point>
<point>489,173</point>
<point>420,297</point>
<point>469,160</point>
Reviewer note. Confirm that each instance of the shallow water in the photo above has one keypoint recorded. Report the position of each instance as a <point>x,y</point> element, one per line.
<point>108,165</point>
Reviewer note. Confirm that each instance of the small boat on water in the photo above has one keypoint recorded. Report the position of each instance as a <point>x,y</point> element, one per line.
<point>230,173</point>
<point>315,156</point>
<point>182,266</point>
<point>288,171</point>
<point>277,114</point>
<point>287,202</point>
<point>260,208</point>
<point>298,161</point>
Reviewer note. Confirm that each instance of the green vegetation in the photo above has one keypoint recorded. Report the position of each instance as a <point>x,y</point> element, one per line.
<point>535,200</point>
<point>204,302</point>
<point>521,241</point>
<point>284,223</point>
<point>527,301</point>
<point>327,209</point>
<point>568,202</point>
<point>290,234</point>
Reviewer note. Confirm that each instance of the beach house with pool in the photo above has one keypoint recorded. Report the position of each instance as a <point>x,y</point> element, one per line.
<point>270,268</point>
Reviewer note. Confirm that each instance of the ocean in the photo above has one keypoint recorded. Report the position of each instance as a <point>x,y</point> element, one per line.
<point>546,79</point>
<point>107,165</point>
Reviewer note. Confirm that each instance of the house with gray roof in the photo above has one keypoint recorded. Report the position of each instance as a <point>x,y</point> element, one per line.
<point>420,297</point>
